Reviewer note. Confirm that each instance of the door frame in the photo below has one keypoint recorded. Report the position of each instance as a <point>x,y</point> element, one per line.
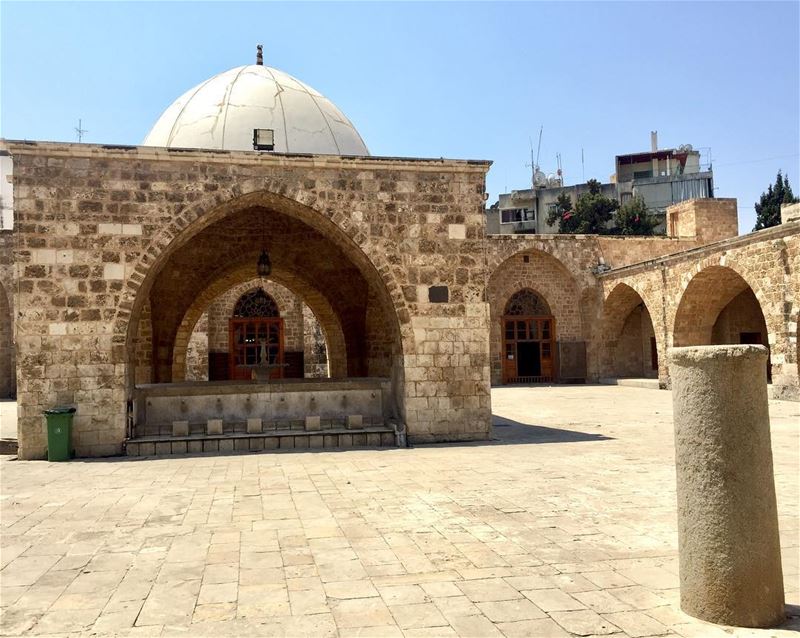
<point>547,349</point>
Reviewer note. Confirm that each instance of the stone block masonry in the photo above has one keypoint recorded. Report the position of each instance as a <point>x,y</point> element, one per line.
<point>117,252</point>
<point>399,224</point>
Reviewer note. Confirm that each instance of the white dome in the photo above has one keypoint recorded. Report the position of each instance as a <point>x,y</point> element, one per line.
<point>222,112</point>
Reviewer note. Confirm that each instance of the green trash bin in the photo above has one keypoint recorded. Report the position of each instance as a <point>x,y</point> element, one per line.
<point>59,429</point>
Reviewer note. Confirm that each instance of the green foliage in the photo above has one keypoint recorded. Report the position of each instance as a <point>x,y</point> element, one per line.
<point>768,209</point>
<point>633,218</point>
<point>590,215</point>
<point>556,214</point>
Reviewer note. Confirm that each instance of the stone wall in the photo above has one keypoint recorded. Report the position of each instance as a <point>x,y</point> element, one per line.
<point>8,378</point>
<point>315,347</point>
<point>196,358</point>
<point>102,231</point>
<point>790,213</point>
<point>702,296</point>
<point>741,315</point>
<point>707,220</point>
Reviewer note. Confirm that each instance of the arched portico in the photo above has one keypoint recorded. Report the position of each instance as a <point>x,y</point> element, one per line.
<point>629,343</point>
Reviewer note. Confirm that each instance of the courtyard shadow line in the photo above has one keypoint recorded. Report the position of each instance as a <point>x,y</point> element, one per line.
<point>509,432</point>
<point>504,432</point>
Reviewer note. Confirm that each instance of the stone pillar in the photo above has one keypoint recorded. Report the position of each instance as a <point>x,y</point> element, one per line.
<point>730,561</point>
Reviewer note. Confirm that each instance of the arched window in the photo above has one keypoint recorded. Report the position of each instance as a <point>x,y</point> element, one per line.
<point>256,303</point>
<point>527,303</point>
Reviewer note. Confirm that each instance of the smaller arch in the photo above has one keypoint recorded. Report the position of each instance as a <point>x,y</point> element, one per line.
<point>719,307</point>
<point>708,292</point>
<point>629,343</point>
<point>256,303</point>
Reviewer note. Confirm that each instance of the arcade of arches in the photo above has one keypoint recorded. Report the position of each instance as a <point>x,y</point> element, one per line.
<point>381,272</point>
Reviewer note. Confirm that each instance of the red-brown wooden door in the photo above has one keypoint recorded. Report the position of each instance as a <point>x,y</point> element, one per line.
<point>255,341</point>
<point>528,349</point>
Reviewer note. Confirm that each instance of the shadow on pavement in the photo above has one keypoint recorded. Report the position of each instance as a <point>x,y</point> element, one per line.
<point>510,432</point>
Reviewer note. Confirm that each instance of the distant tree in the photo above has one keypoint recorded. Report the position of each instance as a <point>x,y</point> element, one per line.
<point>633,218</point>
<point>590,215</point>
<point>768,209</point>
<point>562,213</point>
<point>594,210</point>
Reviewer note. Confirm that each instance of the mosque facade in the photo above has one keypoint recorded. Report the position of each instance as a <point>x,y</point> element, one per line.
<point>251,278</point>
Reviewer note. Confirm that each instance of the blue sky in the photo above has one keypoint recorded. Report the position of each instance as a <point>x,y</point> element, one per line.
<point>460,80</point>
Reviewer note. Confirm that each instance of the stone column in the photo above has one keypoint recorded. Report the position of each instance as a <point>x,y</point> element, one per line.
<point>730,561</point>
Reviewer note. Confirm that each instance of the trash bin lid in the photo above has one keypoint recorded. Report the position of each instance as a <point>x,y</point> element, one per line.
<point>62,409</point>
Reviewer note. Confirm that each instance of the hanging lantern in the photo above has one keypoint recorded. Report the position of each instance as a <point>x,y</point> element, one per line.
<point>264,265</point>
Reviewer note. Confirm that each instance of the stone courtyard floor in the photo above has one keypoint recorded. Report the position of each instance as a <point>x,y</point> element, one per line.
<point>564,526</point>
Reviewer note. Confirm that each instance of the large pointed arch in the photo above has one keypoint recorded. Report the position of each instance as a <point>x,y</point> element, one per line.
<point>167,265</point>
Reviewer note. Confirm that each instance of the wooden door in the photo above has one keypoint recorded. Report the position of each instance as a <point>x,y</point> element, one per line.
<point>525,337</point>
<point>253,342</point>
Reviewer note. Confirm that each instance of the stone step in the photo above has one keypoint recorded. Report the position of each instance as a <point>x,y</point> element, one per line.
<point>240,427</point>
<point>632,382</point>
<point>268,440</point>
<point>8,446</point>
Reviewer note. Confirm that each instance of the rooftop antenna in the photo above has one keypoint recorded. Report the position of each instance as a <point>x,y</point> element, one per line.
<point>80,130</point>
<point>532,165</point>
<point>535,164</point>
<point>583,168</point>
<point>259,55</point>
<point>539,145</point>
<point>559,172</point>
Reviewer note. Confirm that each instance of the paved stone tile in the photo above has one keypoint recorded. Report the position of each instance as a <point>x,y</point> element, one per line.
<point>26,570</point>
<point>636,624</point>
<point>602,601</point>
<point>487,590</point>
<point>361,612</point>
<point>456,607</point>
<point>403,594</point>
<point>350,589</point>
<point>474,626</point>
<point>218,593</point>
<point>308,601</point>
<point>577,511</point>
<point>604,579</point>
<point>441,589</point>
<point>584,622</point>
<point>542,628</point>
<point>214,612</point>
<point>553,600</point>
<point>511,610</point>
<point>418,615</point>
<point>387,631</point>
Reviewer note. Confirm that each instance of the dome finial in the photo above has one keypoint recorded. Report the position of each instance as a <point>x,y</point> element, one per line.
<point>259,55</point>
